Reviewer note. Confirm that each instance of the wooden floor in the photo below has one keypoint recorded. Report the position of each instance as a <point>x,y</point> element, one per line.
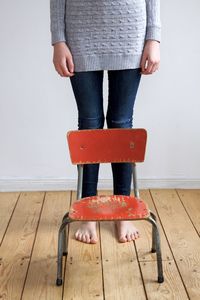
<point>29,223</point>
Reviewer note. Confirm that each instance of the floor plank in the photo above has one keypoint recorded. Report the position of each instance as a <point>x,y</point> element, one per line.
<point>183,239</point>
<point>83,278</point>
<point>29,224</point>
<point>17,245</point>
<point>191,202</point>
<point>171,289</point>
<point>144,243</point>
<point>121,273</point>
<point>44,257</point>
<point>8,201</point>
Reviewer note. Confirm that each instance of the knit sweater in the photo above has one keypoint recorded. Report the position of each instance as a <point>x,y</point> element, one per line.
<point>105,34</point>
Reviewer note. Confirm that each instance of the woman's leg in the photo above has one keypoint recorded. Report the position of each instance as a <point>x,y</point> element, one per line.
<point>88,92</point>
<point>123,87</point>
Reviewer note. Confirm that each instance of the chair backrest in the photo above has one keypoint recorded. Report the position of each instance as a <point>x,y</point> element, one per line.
<point>88,146</point>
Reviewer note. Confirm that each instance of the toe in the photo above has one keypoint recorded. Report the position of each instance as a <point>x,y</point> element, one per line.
<point>136,235</point>
<point>84,238</point>
<point>87,238</point>
<point>122,239</point>
<point>76,234</point>
<point>132,236</point>
<point>128,237</point>
<point>93,239</point>
<point>80,237</point>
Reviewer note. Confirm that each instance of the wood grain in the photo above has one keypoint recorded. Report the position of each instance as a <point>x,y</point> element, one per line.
<point>183,239</point>
<point>107,270</point>
<point>41,279</point>
<point>15,251</point>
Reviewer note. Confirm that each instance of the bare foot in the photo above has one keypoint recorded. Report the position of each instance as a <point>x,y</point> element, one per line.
<point>126,231</point>
<point>87,233</point>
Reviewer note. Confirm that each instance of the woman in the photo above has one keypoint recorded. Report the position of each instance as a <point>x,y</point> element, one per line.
<point>122,37</point>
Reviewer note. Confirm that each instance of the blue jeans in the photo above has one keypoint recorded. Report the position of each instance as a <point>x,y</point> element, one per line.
<point>88,91</point>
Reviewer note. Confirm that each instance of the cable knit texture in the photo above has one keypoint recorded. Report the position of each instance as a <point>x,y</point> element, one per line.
<point>105,34</point>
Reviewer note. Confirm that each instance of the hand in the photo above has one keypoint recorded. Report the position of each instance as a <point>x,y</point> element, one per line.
<point>62,60</point>
<point>150,57</point>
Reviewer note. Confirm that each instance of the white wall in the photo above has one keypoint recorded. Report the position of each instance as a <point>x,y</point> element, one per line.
<point>37,106</point>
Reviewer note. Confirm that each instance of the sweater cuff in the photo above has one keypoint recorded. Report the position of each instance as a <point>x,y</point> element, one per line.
<point>58,36</point>
<point>153,33</point>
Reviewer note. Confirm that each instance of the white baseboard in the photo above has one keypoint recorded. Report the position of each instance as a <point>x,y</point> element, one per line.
<point>61,184</point>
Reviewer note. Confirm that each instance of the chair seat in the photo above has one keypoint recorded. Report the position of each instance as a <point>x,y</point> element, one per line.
<point>113,207</point>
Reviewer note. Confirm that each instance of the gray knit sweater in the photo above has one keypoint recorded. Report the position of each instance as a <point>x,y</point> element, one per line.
<point>105,34</point>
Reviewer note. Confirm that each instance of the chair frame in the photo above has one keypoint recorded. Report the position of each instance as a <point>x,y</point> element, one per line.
<point>63,236</point>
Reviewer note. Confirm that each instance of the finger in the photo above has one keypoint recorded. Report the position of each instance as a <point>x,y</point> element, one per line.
<point>70,64</point>
<point>145,71</point>
<point>64,68</point>
<point>149,67</point>
<point>154,69</point>
<point>143,62</point>
<point>59,70</point>
<point>157,66</point>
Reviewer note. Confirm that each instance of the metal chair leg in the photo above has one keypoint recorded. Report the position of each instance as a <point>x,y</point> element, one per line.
<point>158,247</point>
<point>61,239</point>
<point>64,236</point>
<point>153,248</point>
<point>64,242</point>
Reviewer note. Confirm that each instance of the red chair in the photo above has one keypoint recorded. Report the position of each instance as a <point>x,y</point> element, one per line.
<point>105,146</point>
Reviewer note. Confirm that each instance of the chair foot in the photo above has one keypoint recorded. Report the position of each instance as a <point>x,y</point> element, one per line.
<point>160,279</point>
<point>153,250</point>
<point>62,249</point>
<point>58,282</point>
